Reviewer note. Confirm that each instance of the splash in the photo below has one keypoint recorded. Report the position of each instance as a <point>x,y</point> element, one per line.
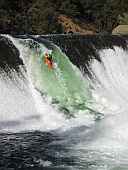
<point>101,145</point>
<point>33,110</point>
<point>64,85</point>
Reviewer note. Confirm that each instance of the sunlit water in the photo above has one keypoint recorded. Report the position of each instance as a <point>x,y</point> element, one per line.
<point>51,141</point>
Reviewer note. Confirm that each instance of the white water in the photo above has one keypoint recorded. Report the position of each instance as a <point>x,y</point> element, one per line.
<point>111,79</point>
<point>106,140</point>
<point>24,109</point>
<point>109,90</point>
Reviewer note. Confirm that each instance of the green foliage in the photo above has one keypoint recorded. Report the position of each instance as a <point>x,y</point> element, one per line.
<point>40,16</point>
<point>123,19</point>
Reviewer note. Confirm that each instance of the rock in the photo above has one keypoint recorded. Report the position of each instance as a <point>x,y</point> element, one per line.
<point>120,29</point>
<point>71,25</point>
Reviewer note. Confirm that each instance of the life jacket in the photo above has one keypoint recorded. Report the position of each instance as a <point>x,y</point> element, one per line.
<point>48,61</point>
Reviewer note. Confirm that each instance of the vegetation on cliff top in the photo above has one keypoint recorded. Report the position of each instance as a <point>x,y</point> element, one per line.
<point>41,16</point>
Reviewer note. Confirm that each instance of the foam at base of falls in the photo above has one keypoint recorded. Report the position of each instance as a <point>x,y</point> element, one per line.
<point>107,84</point>
<point>22,108</point>
<point>110,89</point>
<point>100,146</point>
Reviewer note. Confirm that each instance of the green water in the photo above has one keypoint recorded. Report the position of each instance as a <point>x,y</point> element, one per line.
<point>64,84</point>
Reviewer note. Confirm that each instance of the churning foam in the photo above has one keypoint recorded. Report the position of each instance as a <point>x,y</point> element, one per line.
<point>110,80</point>
<point>105,142</point>
<point>24,108</point>
<point>109,91</point>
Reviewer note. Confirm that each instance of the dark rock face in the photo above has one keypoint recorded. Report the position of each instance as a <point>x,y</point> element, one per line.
<point>9,55</point>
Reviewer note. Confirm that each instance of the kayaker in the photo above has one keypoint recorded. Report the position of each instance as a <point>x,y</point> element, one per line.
<point>48,60</point>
